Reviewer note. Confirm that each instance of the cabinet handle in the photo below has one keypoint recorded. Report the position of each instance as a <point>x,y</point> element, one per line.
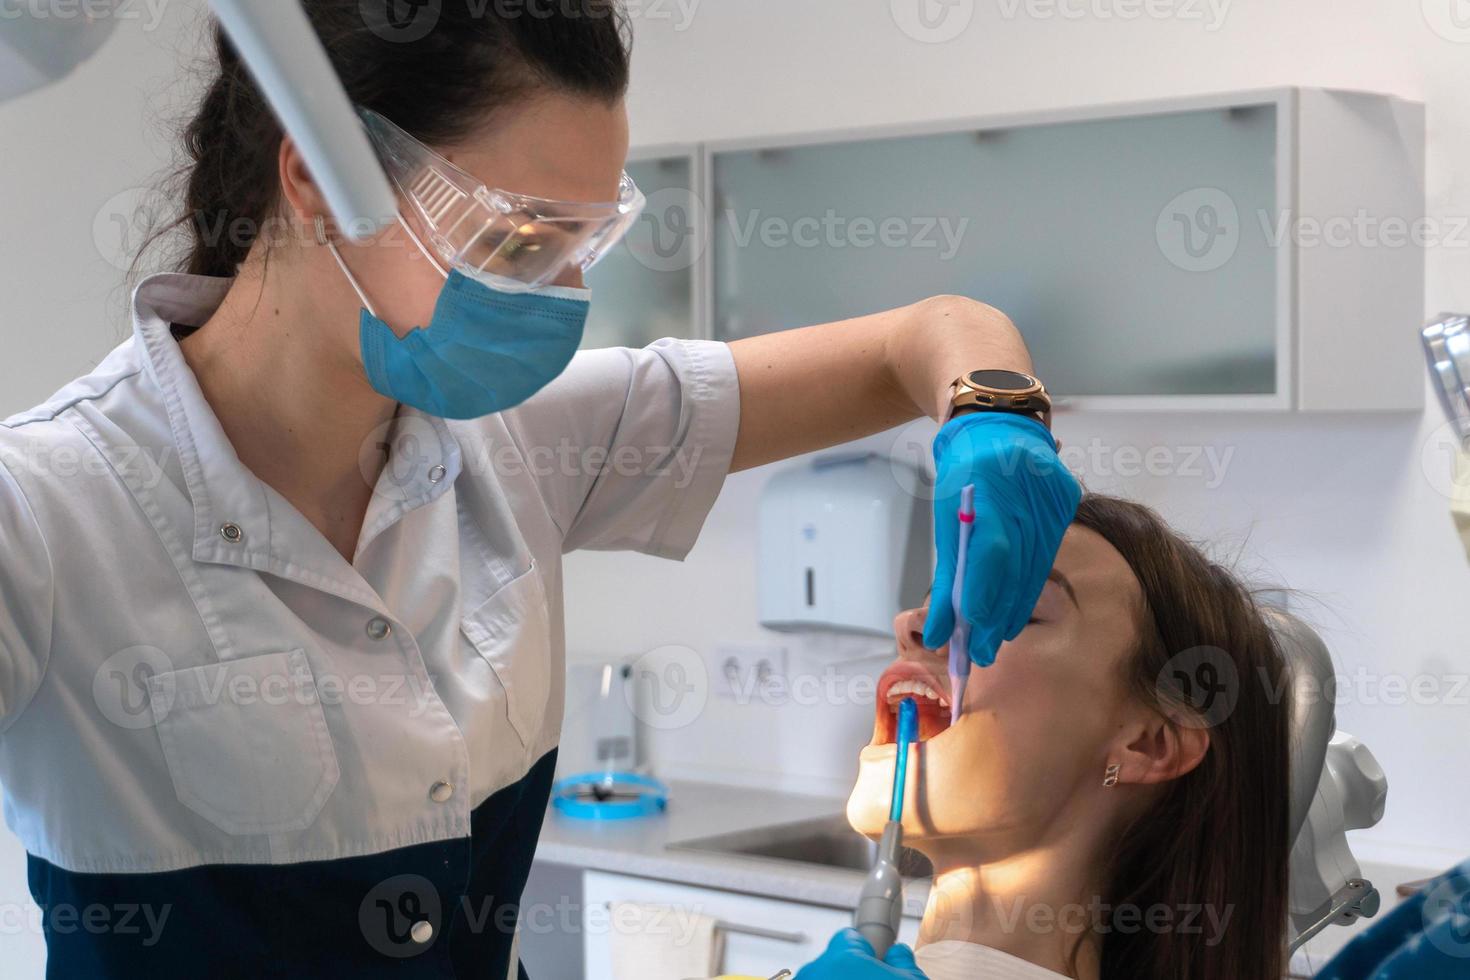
<point>796,938</point>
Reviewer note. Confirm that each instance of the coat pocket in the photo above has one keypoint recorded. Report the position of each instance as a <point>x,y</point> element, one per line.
<point>246,742</point>
<point>511,630</point>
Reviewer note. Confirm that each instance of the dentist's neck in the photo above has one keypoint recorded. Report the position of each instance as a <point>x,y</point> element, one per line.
<point>293,401</point>
<point>1037,904</point>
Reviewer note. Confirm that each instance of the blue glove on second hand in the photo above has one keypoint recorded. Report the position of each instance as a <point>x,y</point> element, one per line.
<point>850,957</point>
<point>1024,500</point>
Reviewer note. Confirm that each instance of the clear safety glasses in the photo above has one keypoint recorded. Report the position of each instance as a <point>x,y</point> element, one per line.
<point>510,241</point>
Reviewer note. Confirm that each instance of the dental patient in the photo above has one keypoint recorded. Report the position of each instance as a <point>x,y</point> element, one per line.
<point>1113,801</point>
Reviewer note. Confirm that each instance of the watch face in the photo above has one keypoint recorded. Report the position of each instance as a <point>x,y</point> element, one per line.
<point>1001,380</point>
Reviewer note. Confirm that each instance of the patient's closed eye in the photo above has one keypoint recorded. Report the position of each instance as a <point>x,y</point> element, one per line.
<point>1051,605</point>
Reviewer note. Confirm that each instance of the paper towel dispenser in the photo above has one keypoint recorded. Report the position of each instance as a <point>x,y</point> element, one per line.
<point>845,544</point>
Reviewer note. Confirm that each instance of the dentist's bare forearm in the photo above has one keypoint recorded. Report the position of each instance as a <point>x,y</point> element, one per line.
<point>808,389</point>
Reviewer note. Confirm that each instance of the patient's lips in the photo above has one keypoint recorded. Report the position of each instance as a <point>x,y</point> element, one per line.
<point>928,688</point>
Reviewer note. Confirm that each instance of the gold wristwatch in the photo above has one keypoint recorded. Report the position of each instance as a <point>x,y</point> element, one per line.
<point>996,390</point>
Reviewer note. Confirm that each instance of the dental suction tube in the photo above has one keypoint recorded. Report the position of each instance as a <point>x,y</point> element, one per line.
<point>880,903</point>
<point>277,43</point>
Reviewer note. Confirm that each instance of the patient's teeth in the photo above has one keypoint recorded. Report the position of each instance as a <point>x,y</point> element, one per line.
<point>899,689</point>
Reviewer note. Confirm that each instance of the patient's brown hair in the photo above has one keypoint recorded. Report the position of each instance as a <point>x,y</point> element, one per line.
<point>1217,837</point>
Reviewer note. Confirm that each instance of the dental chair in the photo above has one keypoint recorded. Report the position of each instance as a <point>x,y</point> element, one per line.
<point>1337,786</point>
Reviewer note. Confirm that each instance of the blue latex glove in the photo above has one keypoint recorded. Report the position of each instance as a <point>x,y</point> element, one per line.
<point>850,957</point>
<point>1024,499</point>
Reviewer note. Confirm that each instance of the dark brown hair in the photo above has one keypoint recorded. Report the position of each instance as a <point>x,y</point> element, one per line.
<point>437,68</point>
<point>1218,837</point>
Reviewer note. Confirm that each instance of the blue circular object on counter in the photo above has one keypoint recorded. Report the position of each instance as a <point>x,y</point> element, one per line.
<point>648,796</point>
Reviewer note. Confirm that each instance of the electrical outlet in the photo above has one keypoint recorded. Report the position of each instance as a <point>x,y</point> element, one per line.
<point>749,674</point>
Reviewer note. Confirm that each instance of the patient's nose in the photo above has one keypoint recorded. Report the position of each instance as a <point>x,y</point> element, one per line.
<point>908,630</point>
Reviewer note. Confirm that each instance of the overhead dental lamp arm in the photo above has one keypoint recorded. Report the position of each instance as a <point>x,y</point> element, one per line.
<point>291,67</point>
<point>288,63</point>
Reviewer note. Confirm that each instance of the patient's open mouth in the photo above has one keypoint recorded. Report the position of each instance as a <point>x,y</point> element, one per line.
<point>909,679</point>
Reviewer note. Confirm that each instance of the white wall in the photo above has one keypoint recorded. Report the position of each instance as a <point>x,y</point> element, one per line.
<point>1338,507</point>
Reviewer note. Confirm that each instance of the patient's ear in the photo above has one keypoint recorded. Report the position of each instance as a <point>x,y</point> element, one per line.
<point>1158,749</point>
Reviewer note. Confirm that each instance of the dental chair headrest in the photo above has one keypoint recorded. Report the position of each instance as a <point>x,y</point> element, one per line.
<point>1336,786</point>
<point>1313,717</point>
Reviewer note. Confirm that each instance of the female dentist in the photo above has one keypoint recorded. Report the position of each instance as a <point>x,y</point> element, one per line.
<point>281,615</point>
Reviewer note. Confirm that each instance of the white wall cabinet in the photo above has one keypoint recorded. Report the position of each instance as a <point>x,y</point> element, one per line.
<point>1255,250</point>
<point>751,946</point>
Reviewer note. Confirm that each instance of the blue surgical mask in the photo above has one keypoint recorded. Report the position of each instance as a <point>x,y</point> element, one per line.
<point>485,350</point>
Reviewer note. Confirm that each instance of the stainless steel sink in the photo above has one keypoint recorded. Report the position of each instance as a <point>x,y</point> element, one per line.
<point>826,841</point>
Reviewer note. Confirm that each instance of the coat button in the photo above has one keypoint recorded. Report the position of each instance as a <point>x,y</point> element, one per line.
<point>441,791</point>
<point>437,474</point>
<point>422,932</point>
<point>378,628</point>
<point>231,532</point>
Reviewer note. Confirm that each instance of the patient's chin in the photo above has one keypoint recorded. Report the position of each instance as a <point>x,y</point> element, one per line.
<point>866,813</point>
<point>872,794</point>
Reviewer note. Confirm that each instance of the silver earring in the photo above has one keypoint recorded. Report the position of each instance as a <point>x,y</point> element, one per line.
<point>1110,778</point>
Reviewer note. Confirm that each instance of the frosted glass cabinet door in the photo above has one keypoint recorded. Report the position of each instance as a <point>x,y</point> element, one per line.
<point>643,289</point>
<point>1135,254</point>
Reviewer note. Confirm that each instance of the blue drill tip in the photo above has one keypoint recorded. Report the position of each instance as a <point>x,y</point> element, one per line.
<point>908,721</point>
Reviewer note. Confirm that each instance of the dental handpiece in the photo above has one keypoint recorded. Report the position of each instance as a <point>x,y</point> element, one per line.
<point>880,903</point>
<point>959,640</point>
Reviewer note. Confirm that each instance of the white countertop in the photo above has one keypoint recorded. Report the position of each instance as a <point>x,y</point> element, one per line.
<point>639,846</point>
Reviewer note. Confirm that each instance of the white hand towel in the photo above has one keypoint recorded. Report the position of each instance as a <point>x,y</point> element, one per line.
<point>663,942</point>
